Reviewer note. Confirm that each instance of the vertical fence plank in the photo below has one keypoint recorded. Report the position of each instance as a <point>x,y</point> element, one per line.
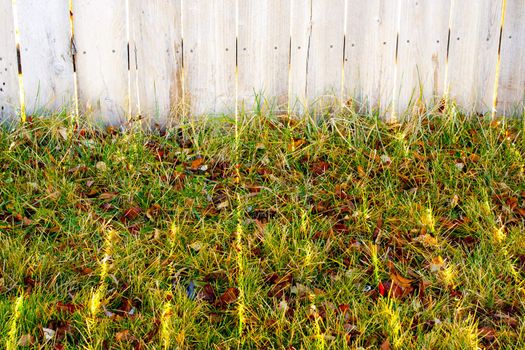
<point>102,58</point>
<point>45,44</point>
<point>209,30</point>
<point>156,57</point>
<point>511,94</point>
<point>370,53</point>
<point>359,19</point>
<point>325,53</point>
<point>263,52</point>
<point>473,49</point>
<point>300,30</point>
<point>9,91</point>
<point>422,52</point>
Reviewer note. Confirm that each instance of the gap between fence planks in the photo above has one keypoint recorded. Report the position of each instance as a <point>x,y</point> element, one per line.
<point>153,58</point>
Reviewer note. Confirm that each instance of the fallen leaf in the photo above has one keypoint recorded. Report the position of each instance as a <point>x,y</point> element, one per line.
<point>223,205</point>
<point>343,308</point>
<point>86,271</point>
<point>26,221</point>
<point>196,163</point>
<point>107,195</point>
<point>520,211</point>
<point>280,285</point>
<point>474,158</point>
<point>197,246</point>
<point>62,132</point>
<point>381,288</point>
<point>208,294</point>
<point>426,240</point>
<point>386,345</point>
<point>229,296</point>
<point>437,264</point>
<point>123,336</point>
<point>69,308</point>
<point>300,290</point>
<point>131,214</point>
<point>49,333</point>
<point>396,277</point>
<point>319,168</point>
<point>153,212</point>
<point>295,144</point>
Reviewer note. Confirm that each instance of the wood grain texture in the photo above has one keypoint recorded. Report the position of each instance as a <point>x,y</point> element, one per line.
<point>9,91</point>
<point>474,40</point>
<point>156,36</point>
<point>370,53</point>
<point>300,30</point>
<point>263,52</point>
<point>102,59</point>
<point>209,30</point>
<point>511,92</point>
<point>47,64</point>
<point>422,52</point>
<point>325,53</point>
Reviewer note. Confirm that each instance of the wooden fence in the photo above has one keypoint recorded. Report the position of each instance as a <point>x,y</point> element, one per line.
<point>118,58</point>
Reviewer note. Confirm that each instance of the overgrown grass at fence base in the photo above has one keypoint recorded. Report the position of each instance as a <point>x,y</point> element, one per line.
<point>334,233</point>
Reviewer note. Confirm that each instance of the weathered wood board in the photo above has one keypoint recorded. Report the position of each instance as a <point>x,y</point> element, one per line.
<point>511,92</point>
<point>370,53</point>
<point>9,90</point>
<point>209,32</point>
<point>102,59</point>
<point>45,44</point>
<point>156,58</point>
<point>165,58</point>
<point>422,51</point>
<point>263,53</point>
<point>473,52</point>
<point>300,32</point>
<point>325,53</point>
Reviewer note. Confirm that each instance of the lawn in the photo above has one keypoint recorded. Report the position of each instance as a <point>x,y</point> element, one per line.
<point>266,232</point>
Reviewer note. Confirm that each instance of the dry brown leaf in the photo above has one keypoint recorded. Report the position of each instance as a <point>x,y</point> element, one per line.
<point>319,168</point>
<point>520,211</point>
<point>107,195</point>
<point>295,144</point>
<point>229,296</point>
<point>123,336</point>
<point>196,163</point>
<point>396,277</point>
<point>131,214</point>
<point>207,294</point>
<point>426,240</point>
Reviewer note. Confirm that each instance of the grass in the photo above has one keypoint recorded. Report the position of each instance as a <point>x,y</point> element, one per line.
<point>337,233</point>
